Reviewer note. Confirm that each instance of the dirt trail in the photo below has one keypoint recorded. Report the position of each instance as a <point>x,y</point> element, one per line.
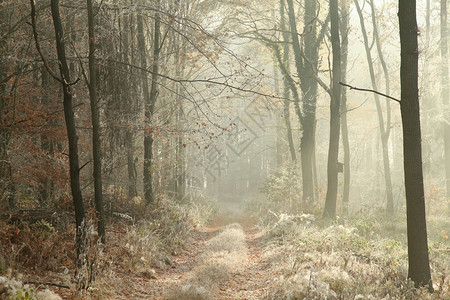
<point>251,282</point>
<point>223,261</point>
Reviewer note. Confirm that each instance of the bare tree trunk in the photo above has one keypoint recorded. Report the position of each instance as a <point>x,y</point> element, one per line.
<point>344,127</point>
<point>286,86</point>
<point>70,121</point>
<point>180,155</point>
<point>333,151</point>
<point>96,144</point>
<point>418,261</point>
<point>69,117</point>
<point>315,176</point>
<point>289,85</point>
<point>387,130</point>
<point>384,129</point>
<point>6,182</point>
<point>149,109</point>
<point>147,183</point>
<point>149,101</point>
<point>128,52</point>
<point>309,88</point>
<point>279,141</point>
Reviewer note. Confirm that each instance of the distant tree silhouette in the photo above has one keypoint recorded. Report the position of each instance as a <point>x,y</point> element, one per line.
<point>333,150</point>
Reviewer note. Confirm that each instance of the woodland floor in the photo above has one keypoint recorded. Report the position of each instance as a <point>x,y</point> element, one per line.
<point>231,258</point>
<point>246,273</point>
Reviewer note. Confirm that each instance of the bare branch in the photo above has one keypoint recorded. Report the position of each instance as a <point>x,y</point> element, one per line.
<point>369,90</point>
<point>353,108</point>
<point>85,164</point>
<point>38,45</point>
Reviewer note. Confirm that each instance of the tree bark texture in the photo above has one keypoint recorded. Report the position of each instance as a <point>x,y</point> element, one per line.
<point>96,144</point>
<point>344,28</point>
<point>128,53</point>
<point>418,262</point>
<point>309,90</point>
<point>150,107</point>
<point>6,183</point>
<point>309,93</point>
<point>148,104</point>
<point>180,153</point>
<point>70,125</point>
<point>284,66</point>
<point>333,150</point>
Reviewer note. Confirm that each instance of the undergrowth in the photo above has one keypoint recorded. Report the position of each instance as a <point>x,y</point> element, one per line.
<point>318,259</point>
<point>139,240</point>
<point>361,256</point>
<point>281,193</point>
<point>150,241</point>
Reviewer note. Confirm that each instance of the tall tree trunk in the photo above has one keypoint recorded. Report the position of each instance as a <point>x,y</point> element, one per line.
<point>70,125</point>
<point>384,129</point>
<point>387,130</point>
<point>418,261</point>
<point>96,144</point>
<point>180,186</point>
<point>148,140</point>
<point>333,150</point>
<point>149,109</point>
<point>445,94</point>
<point>127,54</point>
<point>309,89</point>
<point>315,176</point>
<point>180,155</point>
<point>289,86</point>
<point>344,127</point>
<point>6,183</point>
<point>279,140</point>
<point>286,82</point>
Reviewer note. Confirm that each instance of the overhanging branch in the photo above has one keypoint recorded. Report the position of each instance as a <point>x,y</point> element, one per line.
<point>369,90</point>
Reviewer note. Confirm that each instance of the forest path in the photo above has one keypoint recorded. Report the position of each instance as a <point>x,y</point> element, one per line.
<point>223,261</point>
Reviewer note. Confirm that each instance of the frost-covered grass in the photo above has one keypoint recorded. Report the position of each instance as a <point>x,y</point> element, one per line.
<point>141,248</point>
<point>150,242</point>
<point>14,288</point>
<point>357,258</point>
<point>360,256</point>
